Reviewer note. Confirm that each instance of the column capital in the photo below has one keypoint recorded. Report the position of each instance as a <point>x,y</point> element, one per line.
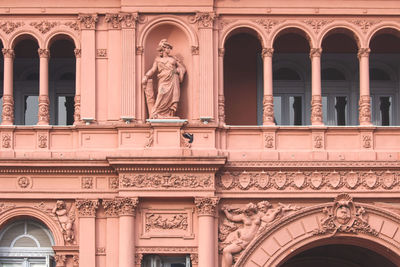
<point>87,207</point>
<point>363,52</point>
<point>111,207</point>
<point>206,205</point>
<point>77,52</point>
<point>315,52</point>
<point>88,21</point>
<point>221,52</point>
<point>127,206</point>
<point>128,20</point>
<point>114,20</point>
<point>8,53</point>
<point>44,53</point>
<point>60,260</point>
<point>267,52</point>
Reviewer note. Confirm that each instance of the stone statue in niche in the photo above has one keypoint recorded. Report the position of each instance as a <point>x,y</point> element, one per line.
<point>242,225</point>
<point>66,220</point>
<point>170,73</point>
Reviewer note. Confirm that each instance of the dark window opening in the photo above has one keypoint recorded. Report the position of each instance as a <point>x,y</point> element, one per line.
<point>378,75</point>
<point>385,110</point>
<point>340,106</point>
<point>331,74</point>
<point>286,74</point>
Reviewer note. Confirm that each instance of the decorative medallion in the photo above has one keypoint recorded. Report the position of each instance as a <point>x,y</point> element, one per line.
<point>269,141</point>
<point>299,180</point>
<point>24,182</point>
<point>244,180</point>
<point>87,182</point>
<point>344,217</point>
<point>280,180</point>
<point>226,180</point>
<point>42,139</point>
<point>6,139</point>
<point>114,182</point>
<point>352,180</point>
<point>370,180</point>
<point>334,180</point>
<point>263,180</point>
<point>388,180</point>
<point>316,180</point>
<point>367,140</point>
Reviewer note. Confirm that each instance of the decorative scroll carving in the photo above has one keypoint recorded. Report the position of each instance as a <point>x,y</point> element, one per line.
<point>44,26</point>
<point>344,217</point>
<point>224,22</point>
<point>306,180</point>
<point>268,24</point>
<point>203,19</point>
<point>8,53</point>
<point>24,182</point>
<point>9,26</point>
<point>6,140</point>
<point>114,20</point>
<point>363,52</point>
<point>73,25</point>
<point>365,25</point>
<point>87,182</point>
<point>166,250</point>
<point>316,109</point>
<point>317,24</point>
<point>166,221</point>
<point>315,52</point>
<point>88,21</point>
<point>269,141</point>
<point>101,53</point>
<point>195,50</point>
<point>42,139</point>
<point>8,109</point>
<point>114,182</point>
<point>364,108</point>
<point>318,141</point>
<point>367,140</point>
<point>44,116</point>
<point>129,19</point>
<point>87,207</point>
<point>44,52</point>
<point>77,108</point>
<point>242,225</point>
<point>66,220</point>
<point>206,205</point>
<point>60,260</point>
<point>167,181</point>
<point>221,109</point>
<point>4,207</point>
<point>268,107</point>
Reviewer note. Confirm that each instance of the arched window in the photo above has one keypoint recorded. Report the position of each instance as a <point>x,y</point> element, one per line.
<point>26,243</point>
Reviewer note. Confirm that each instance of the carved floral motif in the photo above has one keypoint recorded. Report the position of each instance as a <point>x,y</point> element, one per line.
<point>77,108</point>
<point>166,221</point>
<point>315,52</point>
<point>114,20</point>
<point>221,52</point>
<point>5,207</point>
<point>317,24</point>
<point>167,181</point>
<point>363,52</point>
<point>203,19</point>
<point>73,25</point>
<point>44,116</point>
<point>60,260</point>
<point>8,53</point>
<point>9,26</point>
<point>100,251</point>
<point>365,25</point>
<point>101,52</point>
<point>195,50</point>
<point>87,182</point>
<point>114,182</point>
<point>139,50</point>
<point>269,140</point>
<point>44,26</point>
<point>44,52</point>
<point>6,140</point>
<point>87,207</point>
<point>111,207</point>
<point>194,258</point>
<point>129,19</point>
<point>128,206</point>
<point>268,24</point>
<point>221,109</point>
<point>77,52</point>
<point>206,205</point>
<point>24,182</point>
<point>344,217</point>
<point>88,21</point>
<point>75,260</point>
<point>267,52</point>
<point>42,139</point>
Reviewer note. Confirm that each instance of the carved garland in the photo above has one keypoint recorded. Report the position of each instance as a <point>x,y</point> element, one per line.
<point>203,19</point>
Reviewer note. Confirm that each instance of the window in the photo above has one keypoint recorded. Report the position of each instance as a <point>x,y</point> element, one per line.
<point>26,243</point>
<point>166,261</point>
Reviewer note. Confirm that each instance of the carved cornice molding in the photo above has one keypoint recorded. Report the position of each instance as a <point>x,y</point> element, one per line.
<point>87,207</point>
<point>88,21</point>
<point>203,19</point>
<point>166,250</point>
<point>206,206</point>
<point>55,170</point>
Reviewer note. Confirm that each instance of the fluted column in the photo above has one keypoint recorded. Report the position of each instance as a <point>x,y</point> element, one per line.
<point>268,101</point>
<point>77,105</point>
<point>221,97</point>
<point>8,98</point>
<point>316,99</point>
<point>364,107</point>
<point>127,231</point>
<point>111,210</point>
<point>206,207</point>
<point>87,231</point>
<point>44,116</point>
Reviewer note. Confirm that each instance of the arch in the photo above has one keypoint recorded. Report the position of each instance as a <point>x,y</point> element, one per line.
<point>342,68</point>
<point>296,26</point>
<point>172,21</point>
<point>242,24</point>
<point>379,27</point>
<point>377,64</point>
<point>300,229</point>
<point>356,34</point>
<point>300,70</point>
<point>14,213</point>
<point>49,39</point>
<point>17,35</point>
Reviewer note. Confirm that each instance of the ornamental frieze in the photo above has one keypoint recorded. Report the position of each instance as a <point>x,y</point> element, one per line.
<point>167,181</point>
<point>307,180</point>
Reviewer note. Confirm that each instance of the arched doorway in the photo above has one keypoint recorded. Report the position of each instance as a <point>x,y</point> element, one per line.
<point>338,255</point>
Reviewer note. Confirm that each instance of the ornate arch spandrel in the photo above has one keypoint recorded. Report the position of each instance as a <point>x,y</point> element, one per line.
<point>53,226</point>
<point>311,225</point>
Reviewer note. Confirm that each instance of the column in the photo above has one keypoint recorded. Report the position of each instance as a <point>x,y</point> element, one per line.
<point>88,71</point>
<point>87,231</point>
<point>129,94</point>
<point>221,97</point>
<point>8,98</point>
<point>77,105</point>
<point>364,107</point>
<point>206,207</point>
<point>205,22</point>
<point>127,231</point>
<point>111,210</point>
<point>44,116</point>
<point>316,99</point>
<point>268,101</point>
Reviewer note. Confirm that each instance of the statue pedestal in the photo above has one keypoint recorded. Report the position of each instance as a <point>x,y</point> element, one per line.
<point>167,133</point>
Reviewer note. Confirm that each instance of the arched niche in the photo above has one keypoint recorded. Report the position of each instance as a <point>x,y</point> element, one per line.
<point>181,50</point>
<point>303,229</point>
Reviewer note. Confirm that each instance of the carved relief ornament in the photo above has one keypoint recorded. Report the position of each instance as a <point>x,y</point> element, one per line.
<point>363,52</point>
<point>364,108</point>
<point>42,140</point>
<point>317,24</point>
<point>44,116</point>
<point>120,206</point>
<point>267,52</point>
<point>8,53</point>
<point>9,26</point>
<point>88,21</point>
<point>8,109</point>
<point>268,24</point>
<point>6,140</point>
<point>87,207</point>
<point>365,25</point>
<point>166,221</point>
<point>44,52</point>
<point>129,19</point>
<point>114,20</point>
<point>167,181</point>
<point>60,260</point>
<point>44,26</point>
<point>315,52</point>
<point>316,109</point>
<point>344,217</point>
<point>206,205</point>
<point>203,19</point>
<point>268,107</point>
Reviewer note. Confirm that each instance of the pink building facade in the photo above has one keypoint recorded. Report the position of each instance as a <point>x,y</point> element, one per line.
<point>258,133</point>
